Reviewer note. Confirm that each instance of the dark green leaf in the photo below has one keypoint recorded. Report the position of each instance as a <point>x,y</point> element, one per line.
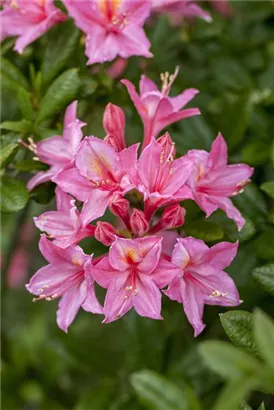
<point>238,326</point>
<point>268,188</point>
<point>17,126</point>
<point>264,336</point>
<point>30,165</point>
<point>6,154</point>
<point>264,245</point>
<point>61,43</point>
<point>158,393</point>
<point>25,104</point>
<point>201,229</point>
<point>12,76</point>
<point>14,195</point>
<point>265,276</point>
<point>228,361</point>
<point>61,92</point>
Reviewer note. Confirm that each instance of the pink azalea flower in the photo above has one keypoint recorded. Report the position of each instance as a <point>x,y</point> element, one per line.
<point>213,181</point>
<point>64,225</point>
<point>161,178</point>
<point>200,278</point>
<point>100,174</point>
<point>133,273</point>
<point>67,277</point>
<point>113,27</point>
<point>156,109</point>
<point>28,20</point>
<point>178,10</point>
<point>114,122</point>
<point>58,152</point>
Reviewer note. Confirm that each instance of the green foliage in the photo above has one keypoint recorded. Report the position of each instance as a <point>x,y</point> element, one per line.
<point>265,276</point>
<point>264,336</point>
<point>7,153</point>
<point>61,44</point>
<point>268,188</point>
<point>238,326</point>
<point>14,195</point>
<point>61,92</point>
<point>158,393</point>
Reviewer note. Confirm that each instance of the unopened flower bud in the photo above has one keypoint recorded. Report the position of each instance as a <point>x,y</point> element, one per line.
<point>114,125</point>
<point>119,206</point>
<point>168,146</point>
<point>172,217</point>
<point>138,222</point>
<point>105,233</point>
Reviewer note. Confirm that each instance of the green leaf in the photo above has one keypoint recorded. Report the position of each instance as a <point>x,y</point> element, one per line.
<point>229,73</point>
<point>6,154</point>
<point>61,43</point>
<point>17,126</point>
<point>205,230</point>
<point>25,104</point>
<point>97,398</point>
<point>262,406</point>
<point>234,392</point>
<point>12,76</point>
<point>268,188</point>
<point>238,326</point>
<point>264,336</point>
<point>14,194</point>
<point>228,361</point>
<point>265,276</point>
<point>158,393</point>
<point>263,245</point>
<point>245,406</point>
<point>27,165</point>
<point>61,92</point>
<point>252,203</point>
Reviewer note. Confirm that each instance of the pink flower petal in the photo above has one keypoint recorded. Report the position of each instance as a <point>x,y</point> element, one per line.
<point>147,301</point>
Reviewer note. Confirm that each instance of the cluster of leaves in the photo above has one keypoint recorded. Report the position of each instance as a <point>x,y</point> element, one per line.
<point>136,363</point>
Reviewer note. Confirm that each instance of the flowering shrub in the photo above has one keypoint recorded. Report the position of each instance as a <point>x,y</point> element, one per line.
<point>143,197</point>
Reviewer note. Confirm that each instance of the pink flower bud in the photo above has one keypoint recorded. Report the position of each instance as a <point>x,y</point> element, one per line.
<point>105,233</point>
<point>172,217</point>
<point>138,222</point>
<point>114,125</point>
<point>119,206</point>
<point>168,145</point>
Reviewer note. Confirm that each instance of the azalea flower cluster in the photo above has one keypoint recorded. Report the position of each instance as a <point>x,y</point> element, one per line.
<point>147,257</point>
<point>112,27</point>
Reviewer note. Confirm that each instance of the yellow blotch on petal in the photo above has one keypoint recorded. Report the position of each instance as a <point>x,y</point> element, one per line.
<point>76,262</point>
<point>109,7</point>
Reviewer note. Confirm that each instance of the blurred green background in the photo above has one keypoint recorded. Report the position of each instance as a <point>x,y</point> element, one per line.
<point>95,366</point>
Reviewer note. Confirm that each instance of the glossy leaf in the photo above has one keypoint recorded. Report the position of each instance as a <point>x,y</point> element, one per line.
<point>265,276</point>
<point>14,195</point>
<point>61,44</point>
<point>238,326</point>
<point>60,93</point>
